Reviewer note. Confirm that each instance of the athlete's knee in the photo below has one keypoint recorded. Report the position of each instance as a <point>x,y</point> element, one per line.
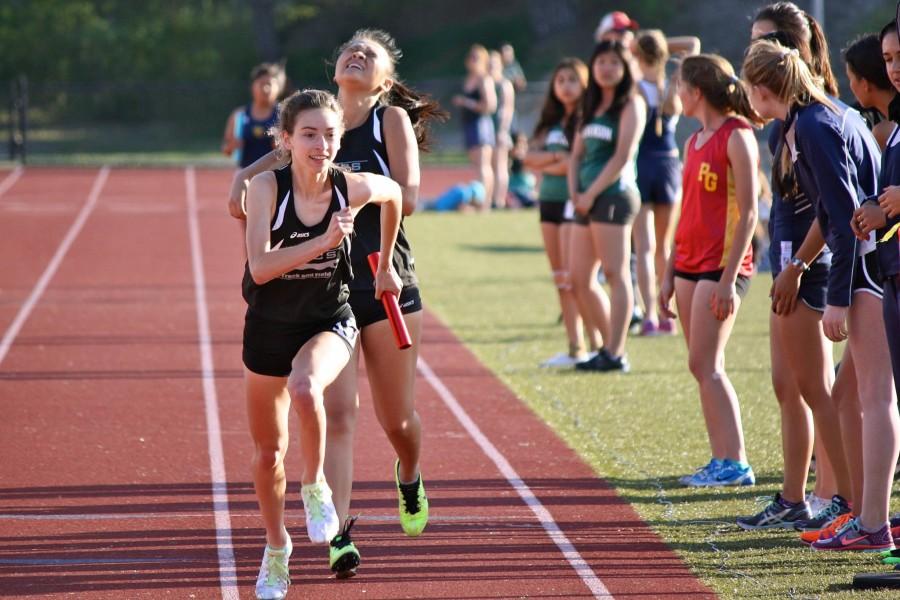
<point>306,393</point>
<point>400,427</point>
<point>581,283</point>
<point>614,275</point>
<point>342,420</point>
<point>704,368</point>
<point>782,386</point>
<point>269,456</point>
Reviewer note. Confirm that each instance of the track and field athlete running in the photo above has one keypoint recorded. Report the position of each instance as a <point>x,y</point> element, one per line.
<point>299,330</point>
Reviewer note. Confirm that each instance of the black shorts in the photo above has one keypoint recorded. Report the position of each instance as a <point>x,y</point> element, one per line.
<point>479,132</point>
<point>270,346</point>
<point>615,208</point>
<point>659,179</point>
<point>556,212</point>
<point>742,285</point>
<point>866,277</point>
<point>368,310</point>
<point>813,285</point>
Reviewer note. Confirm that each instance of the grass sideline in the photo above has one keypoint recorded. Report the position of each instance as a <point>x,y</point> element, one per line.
<point>487,278</point>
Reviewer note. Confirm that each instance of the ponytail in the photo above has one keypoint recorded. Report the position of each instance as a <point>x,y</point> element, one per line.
<point>800,30</point>
<point>421,108</point>
<point>720,87</point>
<point>786,75</point>
<point>819,63</point>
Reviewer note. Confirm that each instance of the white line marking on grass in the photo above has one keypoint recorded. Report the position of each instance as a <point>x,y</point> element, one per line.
<point>55,261</point>
<point>224,545</point>
<point>553,530</point>
<point>11,179</point>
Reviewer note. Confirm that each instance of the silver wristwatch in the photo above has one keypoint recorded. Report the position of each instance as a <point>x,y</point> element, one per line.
<point>798,262</point>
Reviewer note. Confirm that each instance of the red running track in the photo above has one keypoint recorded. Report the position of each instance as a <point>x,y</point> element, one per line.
<point>110,393</point>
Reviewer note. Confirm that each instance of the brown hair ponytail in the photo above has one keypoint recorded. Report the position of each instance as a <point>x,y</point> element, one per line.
<point>720,87</point>
<point>786,75</point>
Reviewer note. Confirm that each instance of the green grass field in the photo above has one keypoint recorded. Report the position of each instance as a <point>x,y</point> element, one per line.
<point>486,276</point>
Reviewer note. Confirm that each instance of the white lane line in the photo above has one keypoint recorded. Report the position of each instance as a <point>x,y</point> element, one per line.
<point>224,545</point>
<point>299,515</point>
<point>11,179</point>
<point>553,530</point>
<point>57,562</point>
<point>50,271</point>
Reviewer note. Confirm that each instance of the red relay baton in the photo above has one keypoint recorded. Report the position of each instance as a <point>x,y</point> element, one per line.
<point>392,308</point>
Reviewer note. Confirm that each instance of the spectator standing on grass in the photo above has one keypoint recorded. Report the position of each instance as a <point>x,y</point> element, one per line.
<point>549,156</point>
<point>831,156</point>
<point>512,70</point>
<point>801,354</point>
<point>503,118</point>
<point>658,175</point>
<point>602,183</point>
<point>710,267</point>
<point>477,103</point>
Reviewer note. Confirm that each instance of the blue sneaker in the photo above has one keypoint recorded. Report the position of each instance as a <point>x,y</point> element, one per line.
<point>732,473</point>
<point>704,474</point>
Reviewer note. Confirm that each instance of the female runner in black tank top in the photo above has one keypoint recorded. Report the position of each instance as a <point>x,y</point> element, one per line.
<point>387,124</point>
<point>299,331</point>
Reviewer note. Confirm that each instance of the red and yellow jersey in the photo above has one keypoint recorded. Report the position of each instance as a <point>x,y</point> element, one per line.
<point>709,210</point>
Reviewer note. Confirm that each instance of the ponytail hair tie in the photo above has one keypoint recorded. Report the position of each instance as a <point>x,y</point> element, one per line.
<point>790,52</point>
<point>735,79</point>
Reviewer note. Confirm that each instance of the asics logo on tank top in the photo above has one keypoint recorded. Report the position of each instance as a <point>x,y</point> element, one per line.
<point>321,267</point>
<point>598,132</point>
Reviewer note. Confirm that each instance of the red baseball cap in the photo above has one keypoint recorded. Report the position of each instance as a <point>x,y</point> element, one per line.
<point>615,21</point>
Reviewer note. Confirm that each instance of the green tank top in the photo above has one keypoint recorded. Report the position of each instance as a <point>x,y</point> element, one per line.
<point>554,188</point>
<point>600,137</point>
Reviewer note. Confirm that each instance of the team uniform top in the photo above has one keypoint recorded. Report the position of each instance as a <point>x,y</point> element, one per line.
<point>889,251</point>
<point>554,188</point>
<point>469,115</point>
<point>709,210</point>
<point>600,136</point>
<point>363,150</point>
<point>255,134</point>
<point>653,145</point>
<point>791,216</point>
<point>316,291</point>
<point>836,161</point>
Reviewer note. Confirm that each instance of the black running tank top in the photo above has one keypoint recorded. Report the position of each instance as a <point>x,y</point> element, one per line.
<point>363,150</point>
<point>316,291</point>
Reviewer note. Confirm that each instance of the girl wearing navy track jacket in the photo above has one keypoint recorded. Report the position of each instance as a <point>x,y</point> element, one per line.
<point>882,213</point>
<point>835,161</point>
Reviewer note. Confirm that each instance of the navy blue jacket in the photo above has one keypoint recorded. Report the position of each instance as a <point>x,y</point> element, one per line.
<point>791,216</point>
<point>889,252</point>
<point>837,164</point>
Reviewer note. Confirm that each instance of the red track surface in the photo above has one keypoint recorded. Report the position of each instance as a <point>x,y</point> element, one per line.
<point>105,474</point>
